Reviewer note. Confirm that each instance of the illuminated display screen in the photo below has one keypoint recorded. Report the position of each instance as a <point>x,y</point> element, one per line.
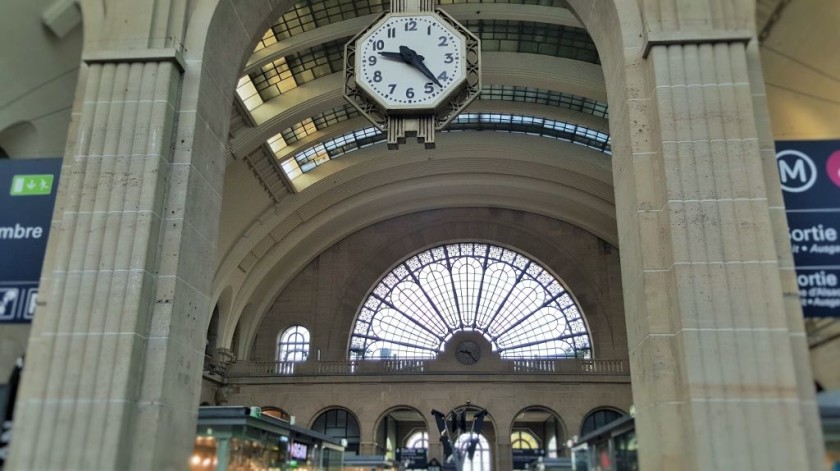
<point>298,451</point>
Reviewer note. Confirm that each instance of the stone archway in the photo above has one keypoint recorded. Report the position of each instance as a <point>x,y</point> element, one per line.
<point>116,346</point>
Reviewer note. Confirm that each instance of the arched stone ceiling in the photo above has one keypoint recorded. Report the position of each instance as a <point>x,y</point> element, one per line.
<point>534,47</point>
<point>556,179</point>
<point>501,68</point>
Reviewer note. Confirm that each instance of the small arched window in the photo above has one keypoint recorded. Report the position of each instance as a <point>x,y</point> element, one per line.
<point>293,344</point>
<point>418,440</point>
<point>482,460</point>
<point>338,424</point>
<point>524,440</point>
<point>597,419</point>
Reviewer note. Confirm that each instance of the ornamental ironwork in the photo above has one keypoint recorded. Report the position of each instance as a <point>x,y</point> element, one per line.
<point>515,303</point>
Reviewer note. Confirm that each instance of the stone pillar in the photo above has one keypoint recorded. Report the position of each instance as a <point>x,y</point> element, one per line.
<point>115,354</point>
<point>714,375</point>
<point>504,453</point>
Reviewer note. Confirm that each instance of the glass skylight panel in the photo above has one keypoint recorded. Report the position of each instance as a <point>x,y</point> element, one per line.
<point>496,35</point>
<point>276,143</point>
<point>267,40</point>
<point>543,97</point>
<point>291,168</point>
<point>473,287</point>
<point>248,93</point>
<point>306,16</point>
<point>534,38</point>
<point>322,152</point>
<point>273,78</point>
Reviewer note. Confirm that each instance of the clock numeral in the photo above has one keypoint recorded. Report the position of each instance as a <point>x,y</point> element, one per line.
<point>378,45</point>
<point>429,30</point>
<point>371,60</point>
<point>409,93</point>
<point>377,76</point>
<point>443,41</point>
<point>392,32</point>
<point>392,86</point>
<point>443,76</point>
<point>411,25</point>
<point>449,58</point>
<point>429,87</point>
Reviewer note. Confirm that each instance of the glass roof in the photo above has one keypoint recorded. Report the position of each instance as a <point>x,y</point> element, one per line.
<point>298,131</point>
<point>315,155</point>
<point>293,70</point>
<point>515,303</point>
<point>309,15</point>
<point>544,97</point>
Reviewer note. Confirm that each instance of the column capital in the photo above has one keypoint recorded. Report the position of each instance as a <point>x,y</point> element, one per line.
<point>672,38</point>
<point>168,54</point>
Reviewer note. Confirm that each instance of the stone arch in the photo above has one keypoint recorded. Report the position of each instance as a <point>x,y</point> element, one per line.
<point>18,137</point>
<point>422,188</point>
<point>594,411</point>
<point>233,28</point>
<point>564,428</point>
<point>350,414</point>
<point>415,231</point>
<point>452,321</point>
<point>423,417</point>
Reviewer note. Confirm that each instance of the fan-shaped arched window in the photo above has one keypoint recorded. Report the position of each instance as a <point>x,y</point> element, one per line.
<point>519,306</point>
<point>597,419</point>
<point>293,344</point>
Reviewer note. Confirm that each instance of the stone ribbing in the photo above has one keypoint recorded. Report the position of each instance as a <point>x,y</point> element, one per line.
<point>714,378</point>
<point>91,332</point>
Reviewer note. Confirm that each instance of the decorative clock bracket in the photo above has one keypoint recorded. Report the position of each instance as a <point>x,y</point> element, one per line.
<point>421,124</point>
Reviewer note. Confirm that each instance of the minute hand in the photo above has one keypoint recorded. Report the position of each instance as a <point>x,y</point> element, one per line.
<point>416,60</point>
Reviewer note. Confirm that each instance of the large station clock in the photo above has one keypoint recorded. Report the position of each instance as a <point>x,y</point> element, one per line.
<point>412,71</point>
<point>410,61</point>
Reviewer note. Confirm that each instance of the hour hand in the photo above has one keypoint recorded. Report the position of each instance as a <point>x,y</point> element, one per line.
<point>391,55</point>
<point>416,60</point>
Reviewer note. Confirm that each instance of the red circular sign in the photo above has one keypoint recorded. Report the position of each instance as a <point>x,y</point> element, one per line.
<point>832,166</point>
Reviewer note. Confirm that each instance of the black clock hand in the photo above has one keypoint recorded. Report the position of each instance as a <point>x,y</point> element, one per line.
<point>416,60</point>
<point>470,354</point>
<point>428,73</point>
<point>392,55</point>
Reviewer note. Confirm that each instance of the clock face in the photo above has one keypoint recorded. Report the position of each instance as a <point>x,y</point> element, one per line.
<point>468,352</point>
<point>410,61</point>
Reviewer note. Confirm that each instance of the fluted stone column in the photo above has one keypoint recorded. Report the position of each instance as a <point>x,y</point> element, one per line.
<point>715,380</point>
<point>117,343</point>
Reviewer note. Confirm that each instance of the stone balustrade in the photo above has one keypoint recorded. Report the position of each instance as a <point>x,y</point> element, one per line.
<point>418,367</point>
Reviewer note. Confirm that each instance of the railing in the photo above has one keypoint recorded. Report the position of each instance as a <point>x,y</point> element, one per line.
<point>419,367</point>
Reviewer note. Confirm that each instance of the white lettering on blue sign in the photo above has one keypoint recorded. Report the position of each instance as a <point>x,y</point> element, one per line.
<point>21,232</point>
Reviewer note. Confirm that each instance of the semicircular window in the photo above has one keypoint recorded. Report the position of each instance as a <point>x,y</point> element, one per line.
<point>513,301</point>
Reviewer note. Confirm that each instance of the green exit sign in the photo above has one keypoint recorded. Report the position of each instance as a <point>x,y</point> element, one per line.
<point>29,185</point>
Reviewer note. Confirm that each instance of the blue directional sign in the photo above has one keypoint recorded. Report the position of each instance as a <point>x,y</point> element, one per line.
<point>27,197</point>
<point>810,177</point>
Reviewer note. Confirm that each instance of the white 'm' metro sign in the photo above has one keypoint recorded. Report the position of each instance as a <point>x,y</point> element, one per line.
<point>796,170</point>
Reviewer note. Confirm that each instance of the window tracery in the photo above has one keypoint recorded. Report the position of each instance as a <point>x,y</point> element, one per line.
<point>293,344</point>
<point>515,303</point>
